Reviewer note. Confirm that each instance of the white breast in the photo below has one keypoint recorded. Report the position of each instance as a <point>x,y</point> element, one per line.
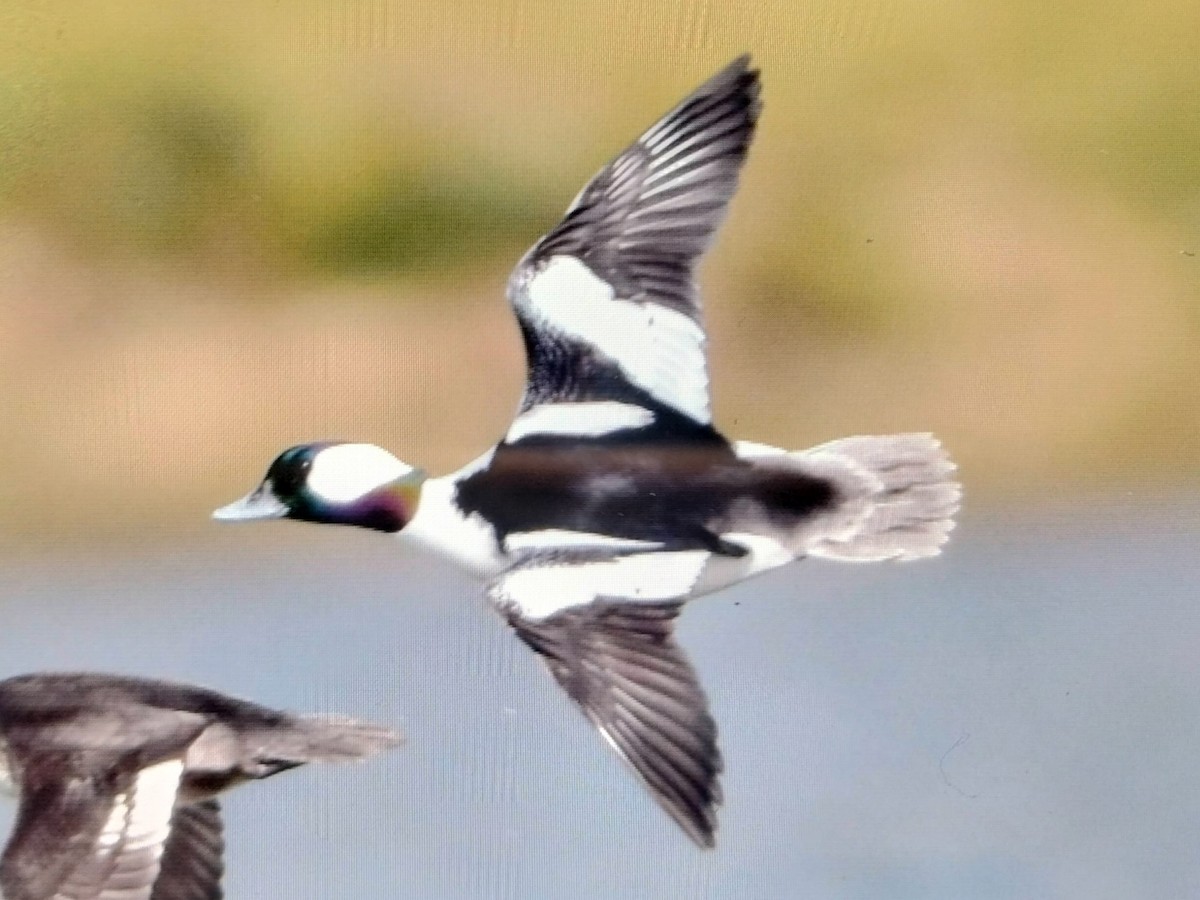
<point>440,526</point>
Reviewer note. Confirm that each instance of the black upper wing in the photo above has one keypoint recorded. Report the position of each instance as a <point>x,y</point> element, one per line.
<point>54,831</point>
<point>620,663</point>
<point>633,236</point>
<point>98,788</point>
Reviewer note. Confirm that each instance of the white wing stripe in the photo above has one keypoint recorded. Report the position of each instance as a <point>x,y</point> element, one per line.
<point>570,298</point>
<point>129,847</point>
<point>540,591</point>
<point>154,794</point>
<point>550,538</point>
<point>755,450</point>
<point>587,419</point>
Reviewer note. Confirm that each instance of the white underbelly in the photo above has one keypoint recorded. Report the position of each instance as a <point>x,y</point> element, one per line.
<point>722,571</point>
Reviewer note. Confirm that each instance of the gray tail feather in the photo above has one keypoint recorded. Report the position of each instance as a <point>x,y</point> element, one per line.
<point>900,498</point>
<point>336,739</point>
<point>328,739</point>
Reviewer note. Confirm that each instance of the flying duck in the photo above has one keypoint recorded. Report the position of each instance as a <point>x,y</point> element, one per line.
<point>118,777</point>
<point>613,499</point>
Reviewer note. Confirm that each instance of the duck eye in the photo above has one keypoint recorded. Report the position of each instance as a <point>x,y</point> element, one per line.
<point>289,477</point>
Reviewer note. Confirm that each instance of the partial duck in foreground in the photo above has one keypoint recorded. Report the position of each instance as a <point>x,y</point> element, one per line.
<point>612,500</point>
<point>118,777</point>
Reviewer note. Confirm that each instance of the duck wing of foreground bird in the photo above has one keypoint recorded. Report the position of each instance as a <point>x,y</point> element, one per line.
<point>617,658</point>
<point>606,301</point>
<point>90,828</point>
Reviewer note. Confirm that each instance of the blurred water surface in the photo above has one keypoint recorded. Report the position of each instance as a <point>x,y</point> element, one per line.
<point>1016,719</point>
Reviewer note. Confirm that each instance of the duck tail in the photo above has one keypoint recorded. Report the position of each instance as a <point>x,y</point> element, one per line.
<point>319,739</point>
<point>896,497</point>
<point>338,739</point>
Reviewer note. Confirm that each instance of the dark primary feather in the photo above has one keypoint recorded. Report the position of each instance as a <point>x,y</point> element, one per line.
<point>562,369</point>
<point>45,698</point>
<point>55,851</point>
<point>191,863</point>
<point>620,663</point>
<point>645,218</point>
<point>641,224</point>
<point>55,829</point>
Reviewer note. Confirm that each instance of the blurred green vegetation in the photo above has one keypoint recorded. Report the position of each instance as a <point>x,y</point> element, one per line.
<point>313,136</point>
<point>127,155</point>
<point>980,220</point>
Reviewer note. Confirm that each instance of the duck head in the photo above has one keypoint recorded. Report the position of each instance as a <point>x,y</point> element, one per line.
<point>333,484</point>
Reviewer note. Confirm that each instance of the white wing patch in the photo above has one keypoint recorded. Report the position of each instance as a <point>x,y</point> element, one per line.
<point>590,419</point>
<point>540,591</point>
<point>141,816</point>
<point>657,349</point>
<point>129,848</point>
<point>551,538</point>
<point>8,783</point>
<point>755,450</point>
<point>344,472</point>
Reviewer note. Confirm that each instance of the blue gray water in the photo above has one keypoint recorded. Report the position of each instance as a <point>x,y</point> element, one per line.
<point>1018,719</point>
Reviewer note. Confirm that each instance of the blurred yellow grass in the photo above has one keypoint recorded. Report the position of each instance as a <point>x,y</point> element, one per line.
<point>224,232</point>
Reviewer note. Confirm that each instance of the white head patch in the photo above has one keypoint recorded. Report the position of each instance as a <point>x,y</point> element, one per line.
<point>345,472</point>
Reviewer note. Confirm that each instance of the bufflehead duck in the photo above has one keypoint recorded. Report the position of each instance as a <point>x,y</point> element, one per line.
<point>118,777</point>
<point>613,499</point>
